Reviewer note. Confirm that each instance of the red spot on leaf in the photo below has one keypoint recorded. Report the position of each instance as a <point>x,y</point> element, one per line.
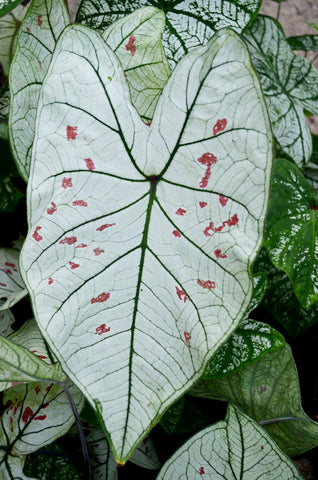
<point>89,163</point>
<point>181,211</point>
<point>201,471</point>
<point>262,448</point>
<point>206,284</point>
<point>130,46</point>
<point>101,298</point>
<point>28,30</point>
<point>103,227</point>
<point>71,132</point>
<point>48,388</point>
<point>98,251</point>
<point>219,126</point>
<point>37,237</point>
<point>40,356</point>
<point>40,64</point>
<point>102,329</point>
<point>218,254</point>
<point>262,388</point>
<point>9,272</point>
<point>40,417</point>
<point>67,182</point>
<point>53,208</point>
<point>203,204</point>
<point>176,233</point>
<point>207,159</point>
<point>37,390</point>
<point>181,294</point>
<point>223,200</point>
<point>73,265</point>
<point>50,281</point>
<point>2,284</point>
<point>79,203</point>
<point>187,337</point>
<point>45,405</point>
<point>68,240</point>
<point>81,245</point>
<point>208,229</point>
<point>40,20</point>
<point>12,265</point>
<point>27,415</point>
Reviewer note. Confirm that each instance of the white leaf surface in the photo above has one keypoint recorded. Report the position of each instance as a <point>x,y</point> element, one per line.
<point>12,288</point>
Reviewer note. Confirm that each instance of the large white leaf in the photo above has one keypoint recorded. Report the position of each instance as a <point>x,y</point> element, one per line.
<point>141,239</point>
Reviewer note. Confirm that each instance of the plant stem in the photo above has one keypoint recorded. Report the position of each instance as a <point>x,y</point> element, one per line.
<point>280,419</point>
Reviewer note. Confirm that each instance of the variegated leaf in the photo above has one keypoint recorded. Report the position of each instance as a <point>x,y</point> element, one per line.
<point>12,288</point>
<point>4,111</point>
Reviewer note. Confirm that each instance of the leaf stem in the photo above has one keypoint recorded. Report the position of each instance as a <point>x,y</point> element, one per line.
<point>278,11</point>
<point>280,419</point>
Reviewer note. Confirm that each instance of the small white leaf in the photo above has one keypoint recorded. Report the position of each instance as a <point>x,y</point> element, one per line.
<point>12,288</point>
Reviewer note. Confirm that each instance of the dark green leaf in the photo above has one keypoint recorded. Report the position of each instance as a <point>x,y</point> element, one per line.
<point>304,42</point>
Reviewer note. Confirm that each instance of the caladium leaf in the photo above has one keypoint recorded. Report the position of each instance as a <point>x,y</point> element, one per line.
<point>234,448</point>
<point>259,290</point>
<point>290,84</point>
<point>12,288</point>
<point>304,42</point>
<point>281,301</point>
<point>109,235</point>
<point>103,464</point>
<point>6,321</point>
<point>9,27</point>
<point>8,5</point>
<point>268,390</point>
<point>4,111</point>
<point>37,37</point>
<point>34,415</point>
<point>188,24</point>
<point>145,456</point>
<point>136,40</point>
<point>291,232</point>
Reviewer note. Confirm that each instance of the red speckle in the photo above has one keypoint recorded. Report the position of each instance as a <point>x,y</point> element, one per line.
<point>176,233</point>
<point>81,245</point>
<point>40,20</point>
<point>71,132</point>
<point>262,388</point>
<point>50,281</point>
<point>208,229</point>
<point>40,417</point>
<point>2,284</point>
<point>79,203</point>
<point>262,448</point>
<point>219,126</point>
<point>181,211</point>
<point>101,298</point>
<point>98,251</point>
<point>53,209</point>
<point>181,294</point>
<point>187,337</point>
<point>48,388</point>
<point>203,204</point>
<point>231,222</point>
<point>40,356</point>
<point>201,471</point>
<point>45,405</point>
<point>12,265</point>
<point>28,30</point>
<point>67,182</point>
<point>223,200</point>
<point>313,207</point>
<point>27,415</point>
<point>106,225</point>
<point>9,272</point>
<point>206,284</point>
<point>73,265</point>
<point>218,254</point>
<point>40,64</point>
<point>130,46</point>
<point>68,240</point>
<point>102,329</point>
<point>37,390</point>
<point>37,237</point>
<point>89,163</point>
<point>11,424</point>
<point>207,159</point>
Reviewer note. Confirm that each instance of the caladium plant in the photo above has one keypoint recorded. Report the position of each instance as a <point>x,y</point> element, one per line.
<point>147,201</point>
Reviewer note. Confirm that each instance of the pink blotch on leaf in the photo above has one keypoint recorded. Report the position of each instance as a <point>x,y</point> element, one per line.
<point>73,265</point>
<point>201,471</point>
<point>207,229</point>
<point>181,295</point>
<point>81,245</point>
<point>187,337</point>
<point>176,234</point>
<point>130,46</point>
<point>223,200</point>
<point>79,203</point>
<point>102,329</point>
<point>37,237</point>
<point>262,448</point>
<point>50,281</point>
<point>218,254</point>
<point>219,126</point>
<point>9,272</point>
<point>101,298</point>
<point>45,405</point>
<point>181,211</point>
<point>27,415</point>
<point>71,132</point>
<point>28,30</point>
<point>40,417</point>
<point>103,227</point>
<point>98,251</point>
<point>2,284</point>
<point>51,210</point>
<point>67,182</point>
<point>203,204</point>
<point>68,240</point>
<point>89,164</point>
<point>206,284</point>
<point>40,64</point>
<point>40,20</point>
<point>207,159</point>
<point>43,357</point>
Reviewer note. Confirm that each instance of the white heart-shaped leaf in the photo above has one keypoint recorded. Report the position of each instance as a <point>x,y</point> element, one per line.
<point>141,239</point>
<point>12,288</point>
<point>9,27</point>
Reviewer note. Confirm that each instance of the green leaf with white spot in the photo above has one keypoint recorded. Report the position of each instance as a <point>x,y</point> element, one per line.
<point>234,448</point>
<point>259,290</point>
<point>116,207</point>
<point>188,24</point>
<point>268,390</point>
<point>136,40</point>
<point>9,28</point>
<point>12,288</point>
<point>34,415</point>
<point>290,84</point>
<point>291,237</point>
<point>36,41</point>
<point>304,42</point>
